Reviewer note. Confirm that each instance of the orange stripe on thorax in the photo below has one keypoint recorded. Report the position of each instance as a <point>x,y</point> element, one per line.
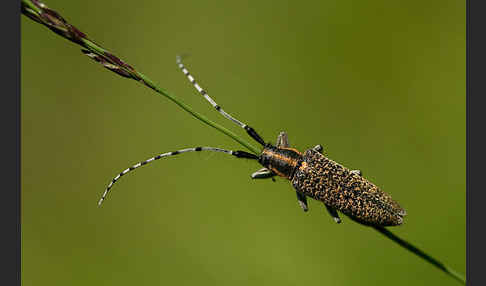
<point>283,159</point>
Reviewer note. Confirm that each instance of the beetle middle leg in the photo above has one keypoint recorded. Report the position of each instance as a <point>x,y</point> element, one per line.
<point>302,199</point>
<point>318,148</point>
<point>332,211</point>
<point>357,172</point>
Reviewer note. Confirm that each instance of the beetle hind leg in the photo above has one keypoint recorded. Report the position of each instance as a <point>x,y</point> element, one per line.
<point>333,213</point>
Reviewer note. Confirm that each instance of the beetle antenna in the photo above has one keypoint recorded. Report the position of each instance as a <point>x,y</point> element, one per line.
<point>253,134</point>
<point>238,154</point>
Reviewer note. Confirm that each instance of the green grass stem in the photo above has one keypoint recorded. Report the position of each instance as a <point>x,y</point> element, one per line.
<point>449,271</point>
<point>37,11</point>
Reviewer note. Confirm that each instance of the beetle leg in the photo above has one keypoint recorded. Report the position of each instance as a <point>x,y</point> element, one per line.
<point>357,172</point>
<point>302,199</point>
<point>333,213</point>
<point>318,148</point>
<point>263,173</point>
<point>282,140</point>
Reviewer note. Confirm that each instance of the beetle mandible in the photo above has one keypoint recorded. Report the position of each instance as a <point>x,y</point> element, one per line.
<point>311,173</point>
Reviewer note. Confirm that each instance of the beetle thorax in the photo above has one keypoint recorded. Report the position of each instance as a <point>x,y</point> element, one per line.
<point>282,161</point>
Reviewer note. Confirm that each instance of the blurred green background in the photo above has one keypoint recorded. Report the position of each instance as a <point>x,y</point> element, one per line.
<point>380,84</point>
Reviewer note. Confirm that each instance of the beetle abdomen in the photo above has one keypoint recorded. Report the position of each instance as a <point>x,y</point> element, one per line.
<point>325,180</point>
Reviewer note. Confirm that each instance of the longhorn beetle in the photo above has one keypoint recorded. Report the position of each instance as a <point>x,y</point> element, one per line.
<point>311,174</point>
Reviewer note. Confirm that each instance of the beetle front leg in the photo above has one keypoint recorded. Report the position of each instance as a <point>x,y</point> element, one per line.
<point>282,140</point>
<point>263,173</point>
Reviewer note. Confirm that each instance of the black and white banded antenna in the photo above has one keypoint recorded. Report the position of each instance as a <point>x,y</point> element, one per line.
<point>253,134</point>
<point>238,154</point>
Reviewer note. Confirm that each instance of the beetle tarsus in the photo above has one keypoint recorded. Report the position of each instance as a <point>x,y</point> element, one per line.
<point>282,140</point>
<point>357,172</point>
<point>334,214</point>
<point>302,199</point>
<point>263,173</point>
<point>318,148</point>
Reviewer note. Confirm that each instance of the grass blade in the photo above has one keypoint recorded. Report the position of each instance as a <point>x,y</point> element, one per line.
<point>452,273</point>
<point>40,13</point>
